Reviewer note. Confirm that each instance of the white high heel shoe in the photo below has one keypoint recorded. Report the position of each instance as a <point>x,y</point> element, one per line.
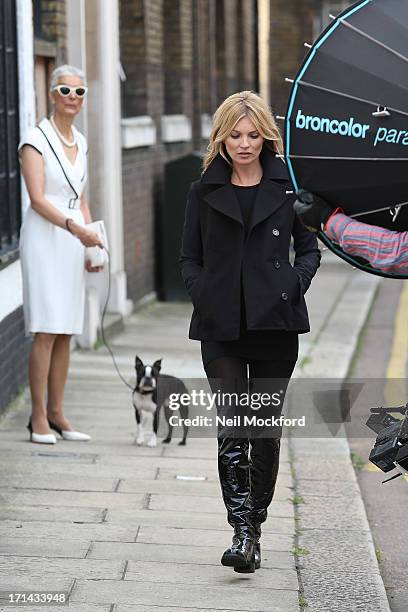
<point>72,436</point>
<point>41,438</point>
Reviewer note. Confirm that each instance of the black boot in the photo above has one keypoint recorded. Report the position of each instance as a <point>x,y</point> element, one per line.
<point>257,546</point>
<point>264,465</point>
<point>242,551</point>
<point>255,563</point>
<point>233,469</point>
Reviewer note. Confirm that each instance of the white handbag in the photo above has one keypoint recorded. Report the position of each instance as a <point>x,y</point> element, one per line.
<point>96,255</point>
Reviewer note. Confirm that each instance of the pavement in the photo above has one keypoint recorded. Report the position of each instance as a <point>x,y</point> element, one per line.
<point>110,524</point>
<point>383,335</point>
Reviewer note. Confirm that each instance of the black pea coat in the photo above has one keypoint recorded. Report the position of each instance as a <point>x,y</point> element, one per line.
<point>214,252</point>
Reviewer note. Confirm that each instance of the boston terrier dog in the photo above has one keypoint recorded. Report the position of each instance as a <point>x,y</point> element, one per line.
<point>151,393</point>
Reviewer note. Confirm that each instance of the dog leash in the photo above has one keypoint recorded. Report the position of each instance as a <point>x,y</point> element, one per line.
<point>103,337</point>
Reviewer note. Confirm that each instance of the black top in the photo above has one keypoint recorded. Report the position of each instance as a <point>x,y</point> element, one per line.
<point>246,198</point>
<point>252,344</point>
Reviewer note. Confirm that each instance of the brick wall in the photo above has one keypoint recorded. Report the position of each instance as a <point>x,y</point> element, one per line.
<point>235,42</point>
<point>291,26</point>
<point>172,57</point>
<point>246,43</point>
<point>186,48</point>
<point>54,26</point>
<point>171,50</point>
<point>231,27</point>
<point>138,199</point>
<point>14,348</point>
<point>133,57</point>
<point>202,54</point>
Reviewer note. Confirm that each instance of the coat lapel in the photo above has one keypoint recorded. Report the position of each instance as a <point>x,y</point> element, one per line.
<point>270,196</point>
<point>225,201</point>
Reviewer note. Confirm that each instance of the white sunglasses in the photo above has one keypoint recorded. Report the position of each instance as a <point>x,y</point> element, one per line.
<point>66,90</point>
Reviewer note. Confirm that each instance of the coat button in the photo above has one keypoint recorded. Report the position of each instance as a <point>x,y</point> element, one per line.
<point>275,232</point>
<point>277,264</point>
<point>284,296</point>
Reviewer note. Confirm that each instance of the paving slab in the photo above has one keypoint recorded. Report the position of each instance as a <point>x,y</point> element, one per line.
<point>331,550</point>
<point>274,524</point>
<point>143,460</point>
<point>28,583</point>
<point>211,474</point>
<point>103,532</point>
<point>324,448</point>
<point>88,499</point>
<point>154,534</point>
<point>23,448</point>
<point>184,488</point>
<point>44,547</point>
<point>168,553</point>
<point>10,470</point>
<point>203,505</point>
<point>318,469</point>
<point>147,571</point>
<point>57,482</point>
<point>51,514</point>
<point>20,567</point>
<point>345,591</point>
<point>328,488</point>
<point>328,513</point>
<point>229,595</point>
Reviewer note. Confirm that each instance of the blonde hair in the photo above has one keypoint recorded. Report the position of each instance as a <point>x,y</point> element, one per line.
<point>235,107</point>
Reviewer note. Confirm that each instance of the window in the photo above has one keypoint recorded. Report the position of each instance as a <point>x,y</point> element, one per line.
<point>329,7</point>
<point>10,204</point>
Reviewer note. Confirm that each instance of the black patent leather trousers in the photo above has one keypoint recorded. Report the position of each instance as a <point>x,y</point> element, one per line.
<point>248,453</point>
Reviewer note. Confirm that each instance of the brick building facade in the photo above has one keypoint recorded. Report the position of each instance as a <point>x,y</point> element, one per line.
<point>292,23</point>
<point>179,59</point>
<point>34,42</point>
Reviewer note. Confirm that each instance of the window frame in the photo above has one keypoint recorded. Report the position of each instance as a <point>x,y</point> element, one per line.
<point>10,191</point>
<point>329,7</point>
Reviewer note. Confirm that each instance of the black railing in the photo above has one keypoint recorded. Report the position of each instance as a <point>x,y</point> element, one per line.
<point>10,198</point>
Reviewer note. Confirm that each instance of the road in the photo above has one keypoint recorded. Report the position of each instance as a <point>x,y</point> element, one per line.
<point>380,358</point>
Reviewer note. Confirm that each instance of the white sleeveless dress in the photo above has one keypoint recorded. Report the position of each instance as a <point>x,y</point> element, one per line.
<point>52,259</point>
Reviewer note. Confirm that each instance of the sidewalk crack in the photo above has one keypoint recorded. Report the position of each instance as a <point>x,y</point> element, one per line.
<point>125,570</point>
<point>89,550</point>
<point>147,500</point>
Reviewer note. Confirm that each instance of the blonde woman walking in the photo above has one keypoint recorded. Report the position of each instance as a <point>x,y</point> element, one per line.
<point>248,299</point>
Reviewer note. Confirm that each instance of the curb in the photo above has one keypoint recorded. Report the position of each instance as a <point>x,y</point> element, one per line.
<point>339,570</point>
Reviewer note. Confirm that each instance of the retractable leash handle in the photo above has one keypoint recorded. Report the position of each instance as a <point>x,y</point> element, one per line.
<point>97,256</point>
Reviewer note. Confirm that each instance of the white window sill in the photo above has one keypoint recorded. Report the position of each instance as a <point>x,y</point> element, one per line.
<point>206,125</point>
<point>138,132</point>
<point>176,128</point>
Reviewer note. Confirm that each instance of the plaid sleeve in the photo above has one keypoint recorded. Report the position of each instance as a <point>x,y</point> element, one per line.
<point>384,249</point>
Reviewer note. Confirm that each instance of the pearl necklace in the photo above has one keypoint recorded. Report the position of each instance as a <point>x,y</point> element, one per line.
<point>66,142</point>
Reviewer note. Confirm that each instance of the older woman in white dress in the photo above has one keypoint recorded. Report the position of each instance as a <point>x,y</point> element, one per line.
<point>53,239</point>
